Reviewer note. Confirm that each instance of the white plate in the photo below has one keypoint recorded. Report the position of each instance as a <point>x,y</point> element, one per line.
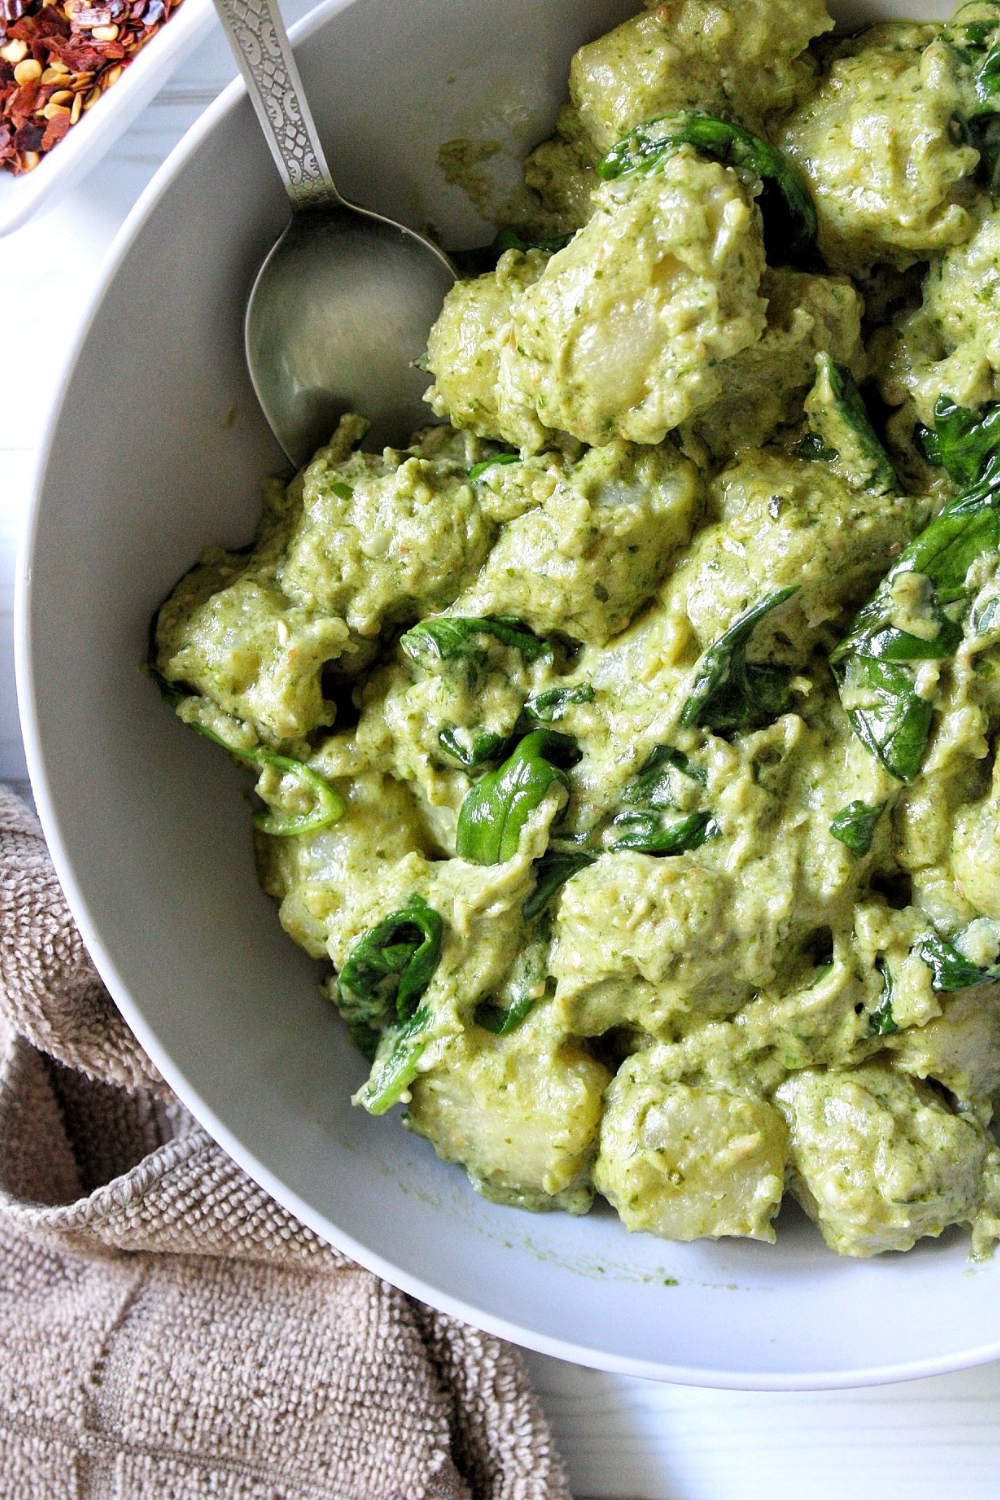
<point>156,450</point>
<point>84,145</point>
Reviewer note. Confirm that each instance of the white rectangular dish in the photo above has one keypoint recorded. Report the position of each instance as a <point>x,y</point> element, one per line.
<point>63,167</point>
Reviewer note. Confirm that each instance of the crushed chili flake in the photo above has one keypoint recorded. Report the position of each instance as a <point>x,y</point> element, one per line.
<point>74,63</point>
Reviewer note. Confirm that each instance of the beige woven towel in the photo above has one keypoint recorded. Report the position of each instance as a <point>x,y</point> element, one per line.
<point>250,1361</point>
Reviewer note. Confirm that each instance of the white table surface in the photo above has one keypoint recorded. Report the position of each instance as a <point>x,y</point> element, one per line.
<point>927,1440</point>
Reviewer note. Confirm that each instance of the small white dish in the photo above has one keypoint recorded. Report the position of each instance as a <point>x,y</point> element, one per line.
<point>96,132</point>
<point>155,450</point>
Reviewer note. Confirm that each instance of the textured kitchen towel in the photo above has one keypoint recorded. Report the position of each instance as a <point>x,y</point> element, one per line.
<point>166,1329</point>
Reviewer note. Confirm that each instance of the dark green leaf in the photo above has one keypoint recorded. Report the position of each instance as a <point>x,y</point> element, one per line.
<point>729,693</point>
<point>655,782</point>
<point>390,966</point>
<point>474,749</point>
<point>342,491</point>
<point>855,825</point>
<point>812,448</point>
<point>551,873</point>
<point>328,805</point>
<point>895,722</point>
<point>984,136</point>
<point>509,239</point>
<point>366,1038</point>
<point>550,706</point>
<point>173,692</point>
<point>395,1075</point>
<point>963,441</point>
<point>873,661</point>
<point>839,421</point>
<point>526,983</point>
<point>502,1021</point>
<point>448,636</point>
<point>786,204</point>
<point>497,808</point>
<point>950,969</point>
<point>478,470</point>
<point>881,1021</point>
<point>655,833</point>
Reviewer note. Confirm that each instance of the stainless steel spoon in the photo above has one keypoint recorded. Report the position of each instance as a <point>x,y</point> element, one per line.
<point>343,303</point>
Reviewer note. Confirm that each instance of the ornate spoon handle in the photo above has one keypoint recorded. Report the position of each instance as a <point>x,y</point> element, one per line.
<point>260,44</point>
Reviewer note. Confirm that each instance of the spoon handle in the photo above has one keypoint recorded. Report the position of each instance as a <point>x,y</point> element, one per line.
<point>260,43</point>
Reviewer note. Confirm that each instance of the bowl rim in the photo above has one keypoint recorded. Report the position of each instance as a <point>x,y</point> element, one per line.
<point>836,1379</point>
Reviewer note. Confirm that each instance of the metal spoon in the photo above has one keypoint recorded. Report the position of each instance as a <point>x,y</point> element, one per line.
<point>344,301</point>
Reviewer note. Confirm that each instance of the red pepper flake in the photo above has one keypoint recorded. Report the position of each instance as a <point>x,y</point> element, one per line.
<point>54,132</point>
<point>58,39</point>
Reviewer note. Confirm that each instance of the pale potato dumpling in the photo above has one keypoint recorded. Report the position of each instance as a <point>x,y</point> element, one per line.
<point>878,1159</point>
<point>960,1049</point>
<point>240,642</point>
<point>623,332</point>
<point>763,387</point>
<point>464,348</point>
<point>951,343</point>
<point>310,877</point>
<point>787,522</point>
<point>521,1113</point>
<point>561,172</point>
<point>975,851</point>
<point>383,540</point>
<point>688,1162</point>
<point>715,55</point>
<point>594,551</point>
<point>878,148</point>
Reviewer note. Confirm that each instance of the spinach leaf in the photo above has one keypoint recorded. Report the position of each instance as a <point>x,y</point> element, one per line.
<point>500,1020</point>
<point>875,663</point>
<point>974,35</point>
<point>839,422</point>
<point>812,448</point>
<point>508,238</point>
<point>484,258</point>
<point>390,966</point>
<point>478,470</point>
<point>549,706</point>
<point>655,833</point>
<point>962,441</point>
<point>786,205</point>
<point>328,805</point>
<point>855,825</point>
<point>551,873</point>
<point>525,985</point>
<point>395,1075</point>
<point>448,636</point>
<point>474,749</point>
<point>654,783</point>
<point>881,1021</point>
<point>951,971</point>
<point>895,722</point>
<point>984,137</point>
<point>730,693</point>
<point>496,809</point>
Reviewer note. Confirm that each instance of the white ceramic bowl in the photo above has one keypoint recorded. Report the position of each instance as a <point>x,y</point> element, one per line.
<point>156,449</point>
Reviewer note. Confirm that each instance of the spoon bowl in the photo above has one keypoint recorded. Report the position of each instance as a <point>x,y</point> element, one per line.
<point>338,315</point>
<point>343,303</point>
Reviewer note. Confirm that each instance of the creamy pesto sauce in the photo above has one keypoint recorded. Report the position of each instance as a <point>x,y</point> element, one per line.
<point>625,897</point>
